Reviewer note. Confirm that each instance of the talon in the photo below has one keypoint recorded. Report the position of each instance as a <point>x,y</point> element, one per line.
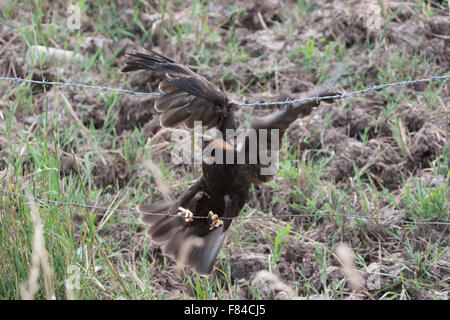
<point>186,213</point>
<point>214,220</point>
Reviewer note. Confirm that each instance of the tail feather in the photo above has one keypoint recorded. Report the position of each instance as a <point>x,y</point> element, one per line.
<point>198,252</point>
<point>203,258</point>
<point>190,244</point>
<point>161,209</point>
<point>164,229</point>
<point>172,247</point>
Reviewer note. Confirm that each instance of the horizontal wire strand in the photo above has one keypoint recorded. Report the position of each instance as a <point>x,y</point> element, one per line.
<point>128,211</point>
<point>256,104</point>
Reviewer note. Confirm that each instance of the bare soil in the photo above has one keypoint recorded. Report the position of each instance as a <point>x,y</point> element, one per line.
<point>393,145</point>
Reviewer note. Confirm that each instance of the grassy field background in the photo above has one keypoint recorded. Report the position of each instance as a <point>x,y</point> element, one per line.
<point>371,172</point>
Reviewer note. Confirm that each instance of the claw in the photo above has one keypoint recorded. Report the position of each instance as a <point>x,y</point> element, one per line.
<point>214,220</point>
<point>186,213</point>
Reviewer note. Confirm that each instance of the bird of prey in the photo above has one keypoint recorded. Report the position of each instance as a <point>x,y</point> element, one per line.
<point>193,227</point>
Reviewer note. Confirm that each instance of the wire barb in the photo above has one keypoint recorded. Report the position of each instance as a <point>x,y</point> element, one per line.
<point>256,104</point>
<point>80,85</point>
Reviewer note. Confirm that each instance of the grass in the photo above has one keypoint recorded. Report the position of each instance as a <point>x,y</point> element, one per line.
<point>46,247</point>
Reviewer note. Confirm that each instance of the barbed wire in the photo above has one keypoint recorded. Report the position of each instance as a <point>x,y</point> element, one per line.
<point>128,211</point>
<point>256,104</point>
<point>350,94</point>
<point>80,85</point>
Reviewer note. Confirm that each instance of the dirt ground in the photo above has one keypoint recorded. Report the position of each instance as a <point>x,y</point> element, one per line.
<point>379,156</point>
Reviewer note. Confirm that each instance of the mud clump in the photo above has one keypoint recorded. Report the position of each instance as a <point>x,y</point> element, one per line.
<point>245,265</point>
<point>380,148</point>
<point>134,113</point>
<point>426,145</point>
<point>106,175</point>
<point>301,256</point>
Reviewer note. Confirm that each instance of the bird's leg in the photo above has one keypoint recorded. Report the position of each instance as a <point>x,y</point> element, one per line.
<point>214,219</point>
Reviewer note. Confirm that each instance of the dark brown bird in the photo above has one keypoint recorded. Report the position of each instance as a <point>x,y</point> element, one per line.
<point>222,191</point>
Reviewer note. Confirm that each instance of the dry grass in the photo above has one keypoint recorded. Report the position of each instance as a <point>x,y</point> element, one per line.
<point>360,171</point>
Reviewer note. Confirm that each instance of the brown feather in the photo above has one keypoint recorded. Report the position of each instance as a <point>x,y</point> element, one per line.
<point>173,100</point>
<point>200,87</point>
<point>173,117</point>
<point>166,87</point>
<point>163,230</point>
<point>159,208</point>
<point>202,258</point>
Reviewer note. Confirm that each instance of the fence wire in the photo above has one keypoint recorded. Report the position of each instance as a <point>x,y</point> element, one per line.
<point>256,104</point>
<point>80,85</point>
<point>128,211</point>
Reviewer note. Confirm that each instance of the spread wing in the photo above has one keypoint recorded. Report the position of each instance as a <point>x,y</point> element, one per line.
<point>187,97</point>
<point>281,120</point>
